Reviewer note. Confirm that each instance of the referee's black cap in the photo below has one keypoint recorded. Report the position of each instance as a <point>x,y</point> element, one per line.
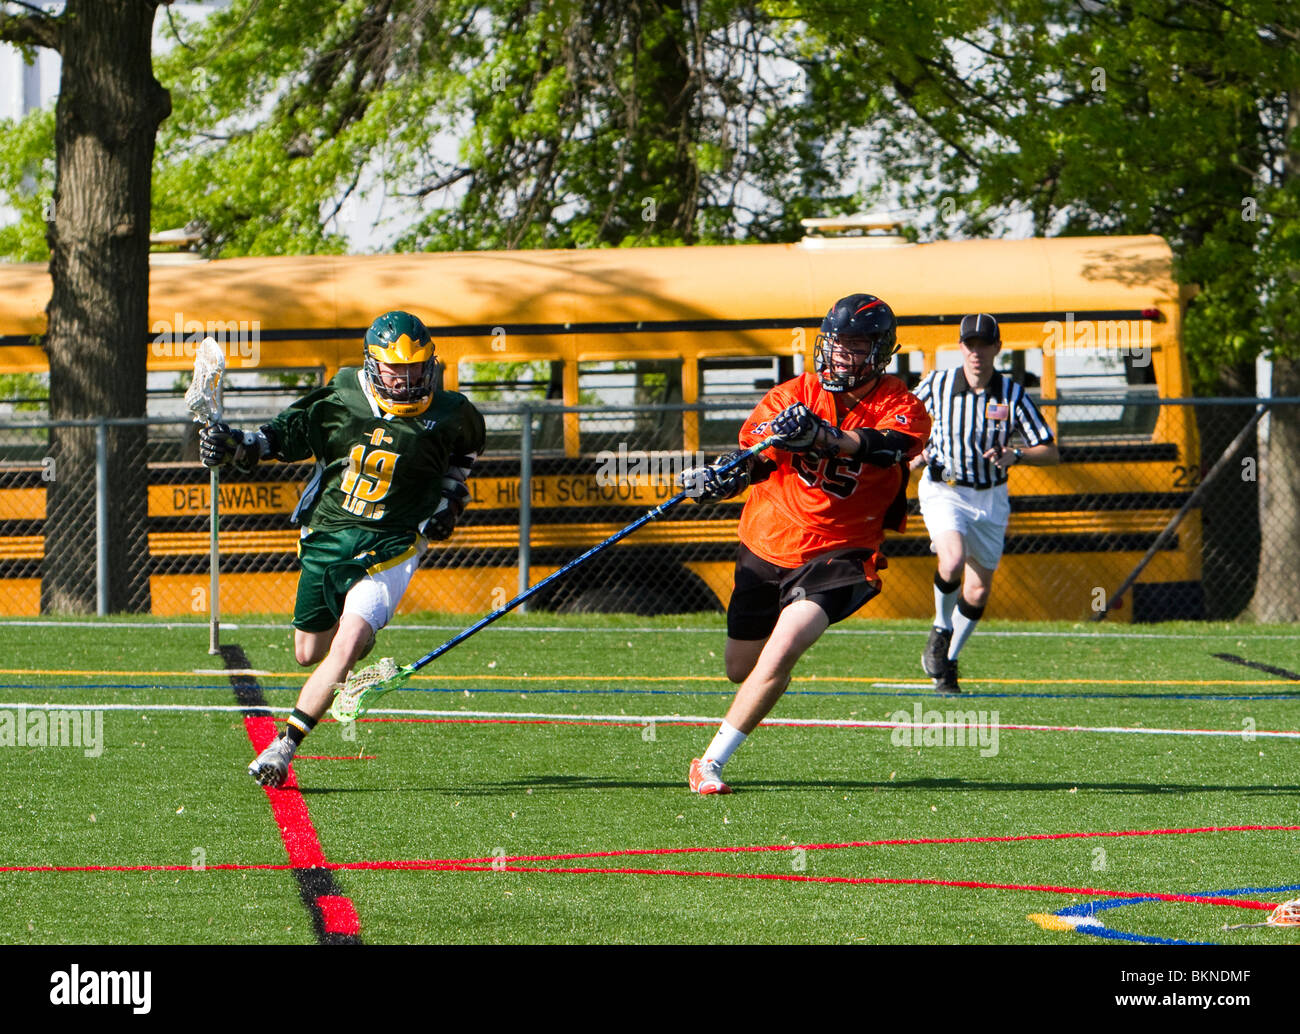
<point>980,325</point>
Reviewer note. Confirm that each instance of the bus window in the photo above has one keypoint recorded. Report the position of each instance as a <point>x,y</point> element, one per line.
<point>1128,378</point>
<point>630,382</point>
<point>1023,365</point>
<point>508,383</point>
<point>24,393</point>
<point>736,384</point>
<point>534,380</point>
<point>907,367</point>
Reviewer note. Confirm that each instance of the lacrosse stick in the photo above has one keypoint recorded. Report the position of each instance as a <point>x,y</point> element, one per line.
<point>1286,914</point>
<point>204,400</point>
<point>363,687</point>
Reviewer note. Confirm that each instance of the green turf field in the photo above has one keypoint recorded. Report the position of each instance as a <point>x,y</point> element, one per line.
<point>595,764</point>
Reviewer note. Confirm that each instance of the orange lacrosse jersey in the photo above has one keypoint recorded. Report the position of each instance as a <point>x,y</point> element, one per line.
<point>809,505</point>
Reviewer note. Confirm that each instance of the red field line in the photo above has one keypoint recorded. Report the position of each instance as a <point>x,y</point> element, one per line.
<point>421,864</point>
<point>287,804</point>
<point>891,843</point>
<point>340,915</point>
<point>339,911</point>
<point>797,878</point>
<point>225,867</point>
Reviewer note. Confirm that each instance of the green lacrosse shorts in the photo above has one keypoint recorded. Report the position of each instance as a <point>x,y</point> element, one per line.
<point>335,560</point>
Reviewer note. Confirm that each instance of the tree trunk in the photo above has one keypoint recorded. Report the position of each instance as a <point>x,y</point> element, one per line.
<point>1277,593</point>
<point>662,132</point>
<point>109,109</point>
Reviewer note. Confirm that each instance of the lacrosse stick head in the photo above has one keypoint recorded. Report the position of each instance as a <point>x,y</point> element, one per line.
<point>362,687</point>
<point>1286,914</point>
<point>203,397</point>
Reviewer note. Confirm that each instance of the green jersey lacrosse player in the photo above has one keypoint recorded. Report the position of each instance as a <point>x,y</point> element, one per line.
<point>393,452</point>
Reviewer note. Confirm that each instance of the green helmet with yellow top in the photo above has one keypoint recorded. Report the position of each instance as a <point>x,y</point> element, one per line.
<point>398,339</point>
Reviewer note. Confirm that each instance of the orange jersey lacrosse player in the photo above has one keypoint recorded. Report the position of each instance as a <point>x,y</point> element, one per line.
<point>811,530</point>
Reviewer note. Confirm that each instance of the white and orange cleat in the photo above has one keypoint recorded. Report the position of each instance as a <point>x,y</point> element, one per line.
<point>706,777</point>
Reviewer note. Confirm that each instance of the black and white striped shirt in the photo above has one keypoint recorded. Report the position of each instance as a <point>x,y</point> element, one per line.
<point>967,424</point>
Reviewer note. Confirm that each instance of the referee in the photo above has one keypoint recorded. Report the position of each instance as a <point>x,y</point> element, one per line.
<point>963,491</point>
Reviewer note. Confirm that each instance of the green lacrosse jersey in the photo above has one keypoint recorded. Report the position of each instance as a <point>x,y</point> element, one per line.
<point>375,470</point>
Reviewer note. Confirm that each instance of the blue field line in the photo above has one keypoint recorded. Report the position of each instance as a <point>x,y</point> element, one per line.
<point>527,689</point>
<point>1089,909</point>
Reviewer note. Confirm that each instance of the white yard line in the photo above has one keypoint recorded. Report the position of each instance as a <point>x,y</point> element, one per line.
<point>951,718</point>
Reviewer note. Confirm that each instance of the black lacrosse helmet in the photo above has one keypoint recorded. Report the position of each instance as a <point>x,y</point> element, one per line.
<point>856,340</point>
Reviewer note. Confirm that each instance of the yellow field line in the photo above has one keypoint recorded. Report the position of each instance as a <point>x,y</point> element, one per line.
<point>700,678</point>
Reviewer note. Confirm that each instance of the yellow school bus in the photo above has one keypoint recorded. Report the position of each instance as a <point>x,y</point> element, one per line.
<point>1091,324</point>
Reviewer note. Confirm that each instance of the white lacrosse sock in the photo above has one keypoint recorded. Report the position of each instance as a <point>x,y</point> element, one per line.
<point>945,599</point>
<point>963,624</point>
<point>724,744</point>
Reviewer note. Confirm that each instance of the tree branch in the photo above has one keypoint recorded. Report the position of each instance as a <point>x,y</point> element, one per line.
<point>31,7</point>
<point>448,180</point>
<point>30,30</point>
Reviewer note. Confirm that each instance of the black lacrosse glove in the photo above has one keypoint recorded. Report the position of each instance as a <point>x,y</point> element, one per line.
<point>220,445</point>
<point>709,484</point>
<point>797,428</point>
<point>455,497</point>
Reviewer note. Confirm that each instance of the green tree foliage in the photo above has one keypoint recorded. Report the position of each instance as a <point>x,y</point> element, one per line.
<point>27,184</point>
<point>514,123</point>
<point>560,123</point>
<point>1172,117</point>
<point>28,391</point>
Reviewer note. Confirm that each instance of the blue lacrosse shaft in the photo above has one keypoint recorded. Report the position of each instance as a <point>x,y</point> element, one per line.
<point>645,518</point>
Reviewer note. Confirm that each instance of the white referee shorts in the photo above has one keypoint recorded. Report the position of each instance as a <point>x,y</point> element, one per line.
<point>979,515</point>
<point>376,596</point>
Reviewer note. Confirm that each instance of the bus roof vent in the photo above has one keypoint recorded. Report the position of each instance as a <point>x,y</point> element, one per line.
<point>860,230</point>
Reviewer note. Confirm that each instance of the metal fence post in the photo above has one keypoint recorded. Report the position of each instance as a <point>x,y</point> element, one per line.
<point>101,516</point>
<point>525,499</point>
<point>214,563</point>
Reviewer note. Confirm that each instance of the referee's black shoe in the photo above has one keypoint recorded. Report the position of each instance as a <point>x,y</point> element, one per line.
<point>935,658</point>
<point>946,684</point>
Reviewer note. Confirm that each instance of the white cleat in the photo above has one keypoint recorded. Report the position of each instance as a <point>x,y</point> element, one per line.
<point>271,767</point>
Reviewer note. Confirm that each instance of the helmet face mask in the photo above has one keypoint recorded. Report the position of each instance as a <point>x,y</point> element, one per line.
<point>857,339</point>
<point>402,344</point>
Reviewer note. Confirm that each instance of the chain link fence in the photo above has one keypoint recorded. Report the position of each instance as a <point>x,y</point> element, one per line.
<point>112,516</point>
